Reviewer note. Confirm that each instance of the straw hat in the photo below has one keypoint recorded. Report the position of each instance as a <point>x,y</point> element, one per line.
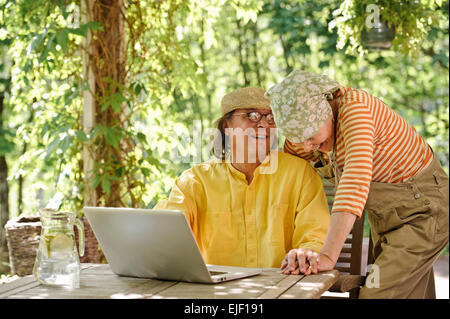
<point>245,98</point>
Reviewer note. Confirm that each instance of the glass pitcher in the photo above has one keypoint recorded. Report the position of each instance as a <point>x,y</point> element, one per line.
<point>57,261</point>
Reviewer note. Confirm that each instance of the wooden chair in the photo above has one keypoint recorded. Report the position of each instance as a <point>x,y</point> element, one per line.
<point>350,260</point>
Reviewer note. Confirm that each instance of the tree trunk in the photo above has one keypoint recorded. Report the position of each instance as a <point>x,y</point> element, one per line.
<point>20,187</point>
<point>423,115</point>
<point>107,59</point>
<point>286,49</point>
<point>21,178</point>
<point>256,64</point>
<point>4,197</point>
<point>242,53</point>
<point>205,77</point>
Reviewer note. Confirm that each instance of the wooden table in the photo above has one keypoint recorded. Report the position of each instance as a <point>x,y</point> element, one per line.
<point>99,282</point>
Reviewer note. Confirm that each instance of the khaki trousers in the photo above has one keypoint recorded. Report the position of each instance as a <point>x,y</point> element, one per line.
<point>409,228</point>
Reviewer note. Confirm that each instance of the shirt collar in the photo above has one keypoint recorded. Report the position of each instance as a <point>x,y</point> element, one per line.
<point>269,158</point>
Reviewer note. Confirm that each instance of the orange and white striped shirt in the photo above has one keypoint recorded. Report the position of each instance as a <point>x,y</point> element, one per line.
<point>373,143</point>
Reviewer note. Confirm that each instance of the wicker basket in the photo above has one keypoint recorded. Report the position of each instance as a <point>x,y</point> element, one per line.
<point>23,235</point>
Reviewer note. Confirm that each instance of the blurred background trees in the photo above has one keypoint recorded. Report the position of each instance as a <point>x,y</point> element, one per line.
<point>179,59</point>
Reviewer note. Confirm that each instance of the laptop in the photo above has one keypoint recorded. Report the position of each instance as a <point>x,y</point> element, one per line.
<point>155,244</point>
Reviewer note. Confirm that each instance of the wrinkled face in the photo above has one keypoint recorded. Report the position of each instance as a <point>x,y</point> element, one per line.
<point>323,140</point>
<point>250,141</point>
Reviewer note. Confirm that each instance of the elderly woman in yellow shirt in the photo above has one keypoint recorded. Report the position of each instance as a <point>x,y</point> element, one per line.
<point>253,204</point>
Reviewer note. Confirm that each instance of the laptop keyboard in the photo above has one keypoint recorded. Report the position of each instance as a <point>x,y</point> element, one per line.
<point>212,273</point>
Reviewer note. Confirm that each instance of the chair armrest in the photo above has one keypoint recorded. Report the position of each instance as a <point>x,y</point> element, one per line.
<point>347,282</point>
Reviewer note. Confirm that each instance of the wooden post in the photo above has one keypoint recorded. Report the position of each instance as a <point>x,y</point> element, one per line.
<point>90,196</point>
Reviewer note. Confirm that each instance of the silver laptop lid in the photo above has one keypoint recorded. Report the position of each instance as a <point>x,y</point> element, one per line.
<point>148,243</point>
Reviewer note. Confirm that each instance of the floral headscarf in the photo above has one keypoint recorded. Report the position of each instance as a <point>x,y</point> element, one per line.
<point>299,104</point>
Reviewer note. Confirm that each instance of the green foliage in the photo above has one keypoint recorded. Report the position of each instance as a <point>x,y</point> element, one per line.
<point>46,99</point>
<point>182,57</point>
<point>412,21</point>
<point>417,88</point>
<point>6,141</point>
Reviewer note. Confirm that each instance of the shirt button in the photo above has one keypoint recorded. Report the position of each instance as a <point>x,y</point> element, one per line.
<point>426,202</point>
<point>416,196</point>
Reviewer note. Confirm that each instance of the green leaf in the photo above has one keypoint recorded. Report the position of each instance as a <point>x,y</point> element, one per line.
<point>37,41</point>
<point>116,101</point>
<point>142,138</point>
<point>6,146</point>
<point>47,48</point>
<point>51,147</point>
<point>66,142</point>
<point>106,185</point>
<point>145,171</point>
<point>83,29</point>
<point>96,181</point>
<point>155,162</point>
<point>114,178</point>
<point>80,135</point>
<point>116,106</point>
<point>62,38</point>
<point>120,172</point>
<point>111,137</point>
<point>105,105</point>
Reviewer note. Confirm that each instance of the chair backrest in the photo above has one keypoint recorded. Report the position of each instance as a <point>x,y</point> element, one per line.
<point>350,259</point>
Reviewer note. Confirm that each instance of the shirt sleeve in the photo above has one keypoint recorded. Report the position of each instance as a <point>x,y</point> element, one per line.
<point>182,198</point>
<point>357,146</point>
<point>312,214</point>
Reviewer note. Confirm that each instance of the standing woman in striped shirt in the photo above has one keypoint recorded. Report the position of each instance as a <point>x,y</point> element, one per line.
<point>378,163</point>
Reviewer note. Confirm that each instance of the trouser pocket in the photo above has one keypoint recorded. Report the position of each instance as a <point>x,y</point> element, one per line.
<point>440,201</point>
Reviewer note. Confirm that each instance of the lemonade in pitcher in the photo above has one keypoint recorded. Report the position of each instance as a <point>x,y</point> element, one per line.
<point>57,261</point>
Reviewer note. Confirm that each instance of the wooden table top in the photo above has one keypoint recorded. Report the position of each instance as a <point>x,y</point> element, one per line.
<point>97,281</point>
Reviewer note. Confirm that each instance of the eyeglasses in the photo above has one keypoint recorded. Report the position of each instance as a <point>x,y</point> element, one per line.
<point>255,117</point>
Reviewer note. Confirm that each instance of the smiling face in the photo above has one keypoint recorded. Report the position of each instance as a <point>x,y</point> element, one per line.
<point>323,140</point>
<point>250,141</point>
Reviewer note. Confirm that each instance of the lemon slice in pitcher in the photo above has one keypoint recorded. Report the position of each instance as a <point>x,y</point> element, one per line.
<point>44,246</point>
<point>61,245</point>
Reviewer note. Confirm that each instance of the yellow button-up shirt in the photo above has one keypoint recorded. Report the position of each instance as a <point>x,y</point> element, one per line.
<point>238,224</point>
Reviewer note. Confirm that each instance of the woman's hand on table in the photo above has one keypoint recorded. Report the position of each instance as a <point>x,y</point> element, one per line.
<point>300,261</point>
<point>305,261</point>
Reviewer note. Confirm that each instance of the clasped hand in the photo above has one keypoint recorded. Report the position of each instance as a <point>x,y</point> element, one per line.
<point>305,261</point>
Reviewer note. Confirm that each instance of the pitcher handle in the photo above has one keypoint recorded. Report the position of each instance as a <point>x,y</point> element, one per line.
<point>80,227</point>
